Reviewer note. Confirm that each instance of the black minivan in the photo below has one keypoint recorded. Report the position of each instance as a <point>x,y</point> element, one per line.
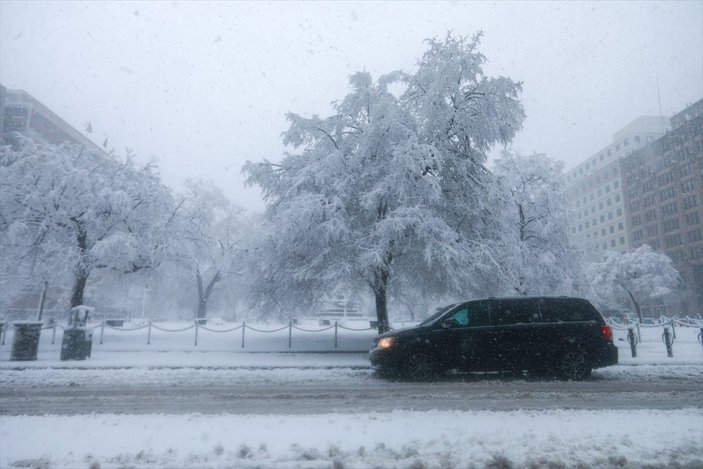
<point>545,336</point>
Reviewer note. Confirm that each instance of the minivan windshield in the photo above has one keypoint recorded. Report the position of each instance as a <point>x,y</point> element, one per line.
<point>440,311</point>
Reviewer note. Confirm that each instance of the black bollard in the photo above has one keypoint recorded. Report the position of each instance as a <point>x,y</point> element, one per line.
<point>632,339</point>
<point>668,341</point>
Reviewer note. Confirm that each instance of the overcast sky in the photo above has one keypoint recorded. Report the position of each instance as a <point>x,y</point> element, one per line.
<point>203,87</point>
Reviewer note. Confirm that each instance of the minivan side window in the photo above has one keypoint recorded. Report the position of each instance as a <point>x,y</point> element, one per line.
<point>505,312</point>
<point>567,310</point>
<point>472,314</point>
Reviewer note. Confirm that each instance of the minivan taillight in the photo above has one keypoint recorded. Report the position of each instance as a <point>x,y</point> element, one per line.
<point>607,332</point>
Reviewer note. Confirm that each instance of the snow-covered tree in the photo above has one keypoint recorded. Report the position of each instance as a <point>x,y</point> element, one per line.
<point>67,213</point>
<point>390,188</point>
<point>642,273</point>
<point>209,241</point>
<point>538,257</point>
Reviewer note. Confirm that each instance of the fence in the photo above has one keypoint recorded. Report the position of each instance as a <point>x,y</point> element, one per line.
<point>293,335</point>
<point>635,334</point>
<point>335,329</point>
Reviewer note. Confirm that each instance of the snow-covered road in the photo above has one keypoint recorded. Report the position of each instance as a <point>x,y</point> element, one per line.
<point>319,390</point>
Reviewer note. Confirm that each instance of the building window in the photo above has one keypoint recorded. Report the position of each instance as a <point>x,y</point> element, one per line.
<point>692,218</point>
<point>612,243</point>
<point>670,225</point>
<point>622,240</point>
<point>689,202</point>
<point>621,226</point>
<point>688,185</point>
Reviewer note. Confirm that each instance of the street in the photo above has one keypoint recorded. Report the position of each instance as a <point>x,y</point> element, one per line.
<point>339,390</point>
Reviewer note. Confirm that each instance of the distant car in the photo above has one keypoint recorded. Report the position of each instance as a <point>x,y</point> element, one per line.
<point>545,336</point>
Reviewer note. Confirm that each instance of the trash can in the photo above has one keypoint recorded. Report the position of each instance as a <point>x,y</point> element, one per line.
<point>77,343</point>
<point>25,344</point>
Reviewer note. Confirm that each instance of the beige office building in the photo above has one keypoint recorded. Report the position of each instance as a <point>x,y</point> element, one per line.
<point>594,188</point>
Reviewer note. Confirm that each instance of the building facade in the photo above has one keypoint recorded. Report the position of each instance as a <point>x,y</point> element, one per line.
<point>663,195</point>
<point>594,188</point>
<point>22,113</point>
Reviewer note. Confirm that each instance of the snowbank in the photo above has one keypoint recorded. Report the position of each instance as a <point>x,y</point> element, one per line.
<point>640,438</point>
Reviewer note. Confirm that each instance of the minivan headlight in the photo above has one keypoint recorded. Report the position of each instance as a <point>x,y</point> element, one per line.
<point>386,342</point>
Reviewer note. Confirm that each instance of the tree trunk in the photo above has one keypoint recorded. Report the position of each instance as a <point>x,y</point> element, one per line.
<point>380,290</point>
<point>204,293</point>
<point>42,300</point>
<point>81,275</point>
<point>634,302</point>
<point>78,288</point>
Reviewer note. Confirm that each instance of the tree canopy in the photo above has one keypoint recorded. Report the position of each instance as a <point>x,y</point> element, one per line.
<point>538,257</point>
<point>392,187</point>
<point>66,213</point>
<point>642,273</point>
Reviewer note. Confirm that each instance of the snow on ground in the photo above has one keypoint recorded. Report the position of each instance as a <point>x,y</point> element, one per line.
<point>402,439</point>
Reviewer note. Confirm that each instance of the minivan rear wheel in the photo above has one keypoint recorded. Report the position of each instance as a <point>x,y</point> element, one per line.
<point>574,365</point>
<point>420,367</point>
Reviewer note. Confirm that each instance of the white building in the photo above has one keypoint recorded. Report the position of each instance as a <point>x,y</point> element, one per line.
<point>594,188</point>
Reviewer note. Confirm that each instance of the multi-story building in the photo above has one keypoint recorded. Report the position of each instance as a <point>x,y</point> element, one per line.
<point>663,193</point>
<point>594,188</point>
<point>20,112</point>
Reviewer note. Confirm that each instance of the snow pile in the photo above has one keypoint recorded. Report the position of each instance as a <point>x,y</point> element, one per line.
<point>402,439</point>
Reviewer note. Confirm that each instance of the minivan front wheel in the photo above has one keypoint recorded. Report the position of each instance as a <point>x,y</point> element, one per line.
<point>574,365</point>
<point>420,367</point>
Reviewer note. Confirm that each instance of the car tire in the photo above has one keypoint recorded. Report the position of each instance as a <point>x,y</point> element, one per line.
<point>573,365</point>
<point>420,367</point>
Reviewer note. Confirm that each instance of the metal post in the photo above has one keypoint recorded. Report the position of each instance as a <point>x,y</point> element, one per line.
<point>102,331</point>
<point>196,332</point>
<point>700,336</point>
<point>673,328</point>
<point>244,328</point>
<point>290,333</point>
<point>53,334</point>
<point>633,341</point>
<point>335,334</point>
<point>3,333</point>
<point>148,335</point>
<point>668,341</point>
<point>639,336</point>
